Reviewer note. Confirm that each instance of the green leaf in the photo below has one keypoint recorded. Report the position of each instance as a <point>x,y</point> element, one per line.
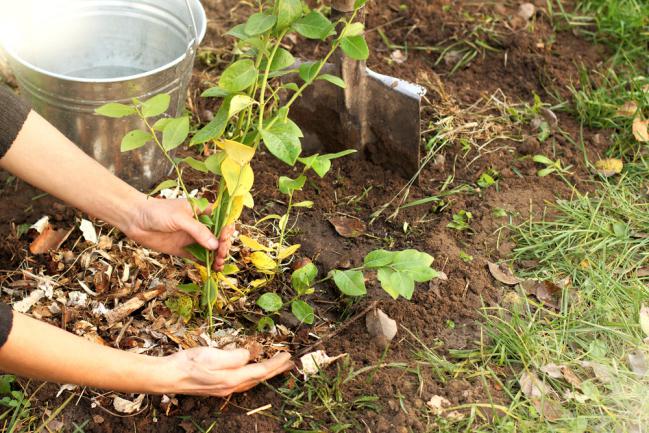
<point>350,283</point>
<point>238,104</point>
<point>283,141</point>
<point>270,302</point>
<point>156,106</point>
<point>198,252</point>
<point>283,59</point>
<point>216,127</point>
<point>135,139</point>
<point>302,312</point>
<point>195,164</point>
<point>384,276</point>
<point>188,288</point>
<point>355,47</point>
<point>259,23</point>
<point>415,264</point>
<point>209,293</point>
<point>199,204</point>
<point>287,12</point>
<point>359,4</point>
<point>355,29</point>
<point>542,159</point>
<point>309,71</point>
<point>182,306</point>
<point>161,124</point>
<point>265,323</point>
<point>339,154</point>
<point>115,110</point>
<point>306,204</point>
<point>314,26</point>
<point>288,186</point>
<point>238,31</point>
<point>337,81</point>
<point>303,279</point>
<point>167,184</point>
<point>215,92</point>
<point>175,133</point>
<point>321,166</point>
<point>403,284</point>
<point>239,76</point>
<point>213,162</point>
<point>546,171</point>
<point>378,259</point>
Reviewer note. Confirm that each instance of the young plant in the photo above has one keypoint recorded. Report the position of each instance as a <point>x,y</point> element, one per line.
<point>461,221</point>
<point>550,166</point>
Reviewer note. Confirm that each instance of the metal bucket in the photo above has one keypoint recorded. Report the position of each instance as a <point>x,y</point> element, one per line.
<point>72,56</point>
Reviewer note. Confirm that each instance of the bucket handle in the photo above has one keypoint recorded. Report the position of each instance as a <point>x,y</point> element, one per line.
<point>196,41</point>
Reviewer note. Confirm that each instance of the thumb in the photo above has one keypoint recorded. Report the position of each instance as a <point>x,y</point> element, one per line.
<point>198,231</point>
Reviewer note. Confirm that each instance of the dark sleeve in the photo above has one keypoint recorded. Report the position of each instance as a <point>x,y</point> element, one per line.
<point>13,113</point>
<point>6,321</point>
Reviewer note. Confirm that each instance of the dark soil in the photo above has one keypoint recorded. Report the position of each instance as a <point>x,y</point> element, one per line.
<point>445,313</point>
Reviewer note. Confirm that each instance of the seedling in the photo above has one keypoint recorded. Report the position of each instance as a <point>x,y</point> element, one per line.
<point>550,166</point>
<point>252,113</point>
<point>461,221</point>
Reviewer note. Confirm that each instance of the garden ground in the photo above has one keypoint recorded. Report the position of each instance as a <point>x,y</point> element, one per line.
<point>559,347</point>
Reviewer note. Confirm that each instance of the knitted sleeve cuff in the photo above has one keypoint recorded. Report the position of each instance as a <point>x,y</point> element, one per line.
<point>13,113</point>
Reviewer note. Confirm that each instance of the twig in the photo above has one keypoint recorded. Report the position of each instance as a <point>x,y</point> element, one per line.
<point>340,329</point>
<point>259,409</point>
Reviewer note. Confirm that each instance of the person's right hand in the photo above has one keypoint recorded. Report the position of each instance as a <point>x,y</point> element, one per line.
<point>212,372</point>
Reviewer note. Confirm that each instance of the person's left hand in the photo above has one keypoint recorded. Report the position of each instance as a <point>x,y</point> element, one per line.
<point>169,226</point>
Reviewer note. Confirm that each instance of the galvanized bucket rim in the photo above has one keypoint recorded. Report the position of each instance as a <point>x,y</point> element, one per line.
<point>201,18</point>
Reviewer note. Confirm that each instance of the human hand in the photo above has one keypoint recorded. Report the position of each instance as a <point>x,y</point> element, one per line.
<point>169,226</point>
<point>212,372</point>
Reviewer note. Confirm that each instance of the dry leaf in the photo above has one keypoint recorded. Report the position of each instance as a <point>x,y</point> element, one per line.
<point>526,11</point>
<point>570,377</point>
<point>29,301</point>
<point>601,371</point>
<point>48,240</point>
<point>644,320</point>
<point>627,110</point>
<point>40,225</point>
<point>380,325</point>
<point>609,167</point>
<point>437,403</point>
<point>552,370</point>
<point>126,406</point>
<point>641,129</point>
<point>313,362</point>
<point>549,408</point>
<point>398,57</point>
<point>503,274</point>
<point>532,386</point>
<point>88,231</point>
<point>348,227</point>
<point>638,363</point>
<point>545,291</point>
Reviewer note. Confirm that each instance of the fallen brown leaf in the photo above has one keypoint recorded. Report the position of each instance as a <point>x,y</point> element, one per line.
<point>627,110</point>
<point>503,274</point>
<point>133,304</point>
<point>638,363</point>
<point>49,240</point>
<point>348,227</point>
<point>545,291</point>
<point>641,129</point>
<point>380,325</point>
<point>609,167</point>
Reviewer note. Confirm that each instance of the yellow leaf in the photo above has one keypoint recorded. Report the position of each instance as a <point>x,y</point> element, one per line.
<point>628,109</point>
<point>253,244</point>
<point>609,167</point>
<point>238,152</point>
<point>248,201</point>
<point>641,129</point>
<point>584,264</point>
<point>238,179</point>
<point>288,251</point>
<point>202,270</point>
<point>230,269</point>
<point>235,210</point>
<point>256,284</point>
<point>263,261</point>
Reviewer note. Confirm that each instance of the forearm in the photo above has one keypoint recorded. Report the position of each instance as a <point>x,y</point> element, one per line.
<point>45,158</point>
<point>37,350</point>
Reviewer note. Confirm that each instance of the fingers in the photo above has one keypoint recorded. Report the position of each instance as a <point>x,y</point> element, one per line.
<point>198,231</point>
<point>216,359</point>
<point>252,374</point>
<point>225,242</point>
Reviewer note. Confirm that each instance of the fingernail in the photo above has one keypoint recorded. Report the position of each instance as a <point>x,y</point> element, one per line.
<point>213,244</point>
